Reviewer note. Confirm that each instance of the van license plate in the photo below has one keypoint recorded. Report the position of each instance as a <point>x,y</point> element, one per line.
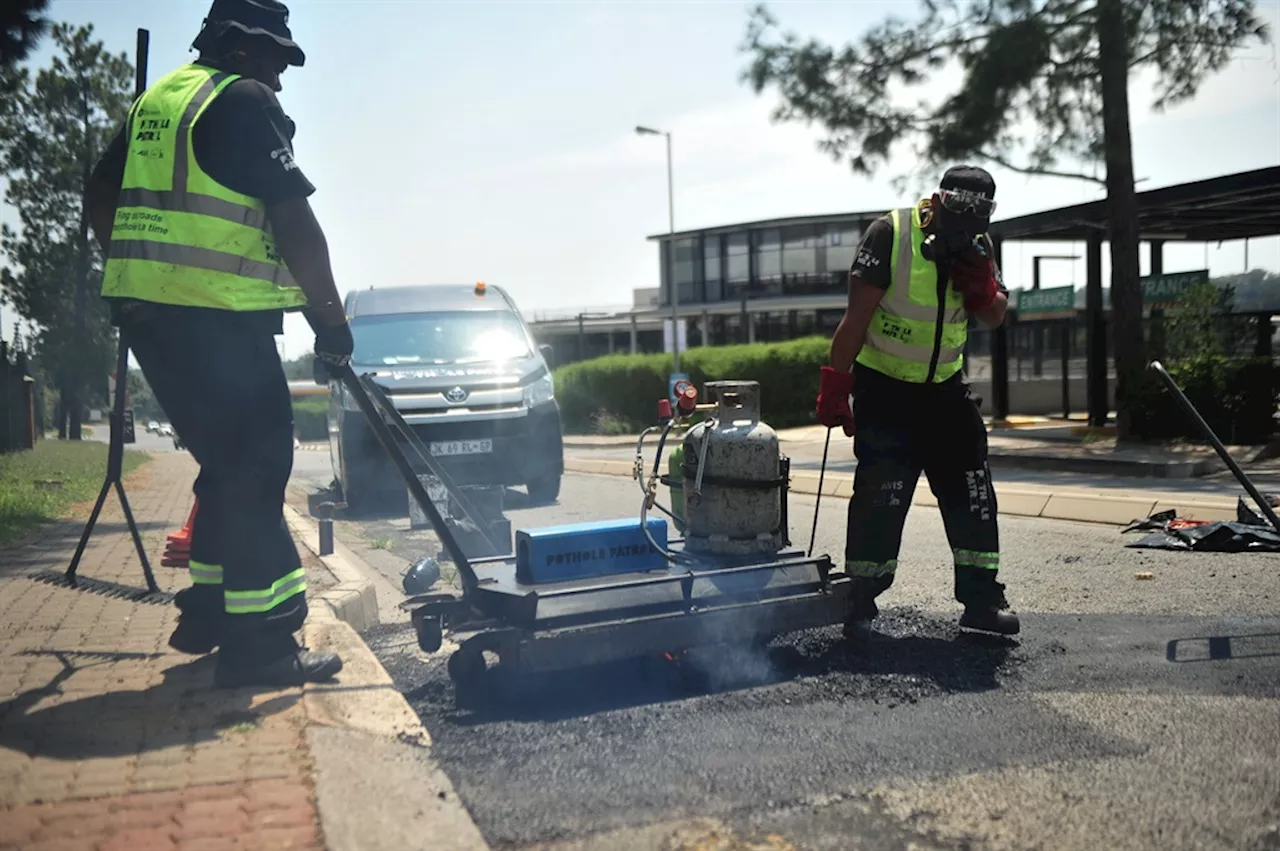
<point>461,447</point>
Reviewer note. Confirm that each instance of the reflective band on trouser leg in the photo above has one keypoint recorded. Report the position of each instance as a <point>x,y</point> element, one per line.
<point>974,558</point>
<point>256,602</point>
<point>870,569</point>
<point>204,574</point>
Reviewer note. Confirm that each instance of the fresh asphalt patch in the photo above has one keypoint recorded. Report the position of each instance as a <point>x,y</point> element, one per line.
<point>1137,709</point>
<point>737,734</point>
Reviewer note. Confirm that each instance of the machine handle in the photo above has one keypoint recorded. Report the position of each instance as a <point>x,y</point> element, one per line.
<point>1217,444</point>
<point>388,441</point>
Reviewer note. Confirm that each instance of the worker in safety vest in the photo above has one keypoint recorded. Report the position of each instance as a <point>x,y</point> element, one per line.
<point>896,381</point>
<point>202,213</point>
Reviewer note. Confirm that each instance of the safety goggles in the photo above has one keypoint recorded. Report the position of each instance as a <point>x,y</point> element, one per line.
<point>967,201</point>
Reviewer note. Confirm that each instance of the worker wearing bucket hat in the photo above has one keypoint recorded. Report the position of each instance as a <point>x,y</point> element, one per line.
<point>203,215</point>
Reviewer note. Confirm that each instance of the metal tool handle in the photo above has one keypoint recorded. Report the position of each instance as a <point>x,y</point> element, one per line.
<point>371,413</point>
<point>813,534</point>
<point>424,454</point>
<point>1217,444</point>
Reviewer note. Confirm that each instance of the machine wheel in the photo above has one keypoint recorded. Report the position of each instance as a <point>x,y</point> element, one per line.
<point>431,636</point>
<point>466,667</point>
<point>544,491</point>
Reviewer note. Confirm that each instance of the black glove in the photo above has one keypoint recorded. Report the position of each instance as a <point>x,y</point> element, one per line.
<point>333,345</point>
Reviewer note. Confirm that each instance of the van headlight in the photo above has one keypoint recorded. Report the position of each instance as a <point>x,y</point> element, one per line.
<point>539,392</point>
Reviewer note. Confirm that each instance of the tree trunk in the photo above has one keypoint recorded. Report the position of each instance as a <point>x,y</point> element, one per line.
<point>1122,209</point>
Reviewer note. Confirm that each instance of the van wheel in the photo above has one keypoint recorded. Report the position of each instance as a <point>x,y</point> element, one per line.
<point>544,491</point>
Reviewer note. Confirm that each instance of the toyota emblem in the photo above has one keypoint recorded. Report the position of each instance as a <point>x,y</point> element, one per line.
<point>456,395</point>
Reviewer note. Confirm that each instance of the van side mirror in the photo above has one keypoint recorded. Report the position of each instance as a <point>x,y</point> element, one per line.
<point>548,355</point>
<point>318,373</point>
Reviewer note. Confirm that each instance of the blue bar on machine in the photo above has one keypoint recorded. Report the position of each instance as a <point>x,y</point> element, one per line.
<point>583,550</point>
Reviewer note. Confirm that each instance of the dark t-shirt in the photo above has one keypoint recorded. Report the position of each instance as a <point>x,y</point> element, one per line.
<point>243,141</point>
<point>875,251</point>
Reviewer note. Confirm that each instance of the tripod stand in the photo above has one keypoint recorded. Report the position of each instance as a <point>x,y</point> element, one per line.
<point>115,454</point>
<point>115,469</point>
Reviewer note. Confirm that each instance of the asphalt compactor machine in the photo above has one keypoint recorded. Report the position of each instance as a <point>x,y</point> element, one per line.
<point>719,569</point>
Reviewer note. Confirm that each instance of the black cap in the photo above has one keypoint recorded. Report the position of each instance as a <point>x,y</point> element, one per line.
<point>268,18</point>
<point>970,178</point>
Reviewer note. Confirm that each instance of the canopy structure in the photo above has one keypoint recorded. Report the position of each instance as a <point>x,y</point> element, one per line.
<point>1245,205</point>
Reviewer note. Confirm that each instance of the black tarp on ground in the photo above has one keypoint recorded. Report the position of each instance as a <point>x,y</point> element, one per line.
<point>1249,532</point>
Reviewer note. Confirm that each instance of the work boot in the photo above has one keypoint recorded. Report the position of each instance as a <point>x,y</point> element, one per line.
<point>302,666</point>
<point>862,607</point>
<point>985,606</point>
<point>199,619</point>
<point>195,636</point>
<point>990,620</point>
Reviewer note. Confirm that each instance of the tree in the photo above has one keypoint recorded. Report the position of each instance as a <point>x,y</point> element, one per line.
<point>22,25</point>
<point>1061,67</point>
<point>53,127</point>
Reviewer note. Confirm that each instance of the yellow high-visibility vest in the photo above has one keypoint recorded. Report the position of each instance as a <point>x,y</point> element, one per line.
<point>179,236</point>
<point>917,333</point>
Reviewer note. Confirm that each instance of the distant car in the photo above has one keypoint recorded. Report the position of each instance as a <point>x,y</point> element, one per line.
<point>463,369</point>
<point>153,427</point>
<point>166,430</point>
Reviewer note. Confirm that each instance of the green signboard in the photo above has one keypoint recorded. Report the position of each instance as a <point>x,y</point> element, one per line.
<point>1046,303</point>
<point>1168,288</point>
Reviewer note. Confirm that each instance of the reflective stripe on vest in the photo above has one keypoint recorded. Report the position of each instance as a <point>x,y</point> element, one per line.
<point>903,333</point>
<point>180,237</point>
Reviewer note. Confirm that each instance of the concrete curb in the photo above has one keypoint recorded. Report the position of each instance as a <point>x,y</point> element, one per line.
<point>1022,460</point>
<point>411,802</point>
<point>353,600</point>
<point>1115,508</point>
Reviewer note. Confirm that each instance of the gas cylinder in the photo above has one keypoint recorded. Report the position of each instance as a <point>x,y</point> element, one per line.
<point>674,461</point>
<point>732,481</point>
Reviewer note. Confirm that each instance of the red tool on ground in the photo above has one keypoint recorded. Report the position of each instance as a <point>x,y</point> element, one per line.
<point>177,549</point>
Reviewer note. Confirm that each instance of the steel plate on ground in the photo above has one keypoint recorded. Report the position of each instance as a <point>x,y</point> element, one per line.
<point>580,602</point>
<point>613,641</point>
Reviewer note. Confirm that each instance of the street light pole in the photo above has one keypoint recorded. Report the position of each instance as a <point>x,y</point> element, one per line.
<point>671,249</point>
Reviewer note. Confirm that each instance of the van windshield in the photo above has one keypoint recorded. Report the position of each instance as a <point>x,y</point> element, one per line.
<point>464,336</point>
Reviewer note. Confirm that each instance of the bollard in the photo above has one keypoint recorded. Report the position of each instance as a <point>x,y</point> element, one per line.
<point>326,537</point>
<point>324,513</point>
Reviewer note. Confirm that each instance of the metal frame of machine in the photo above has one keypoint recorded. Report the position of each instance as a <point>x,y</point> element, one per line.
<point>559,625</point>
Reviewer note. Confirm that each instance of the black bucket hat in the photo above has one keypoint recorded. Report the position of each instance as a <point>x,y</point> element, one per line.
<point>267,18</point>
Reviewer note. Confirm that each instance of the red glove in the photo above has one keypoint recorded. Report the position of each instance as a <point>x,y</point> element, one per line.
<point>834,389</point>
<point>974,275</point>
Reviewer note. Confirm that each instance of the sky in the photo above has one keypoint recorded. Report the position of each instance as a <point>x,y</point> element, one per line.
<point>494,141</point>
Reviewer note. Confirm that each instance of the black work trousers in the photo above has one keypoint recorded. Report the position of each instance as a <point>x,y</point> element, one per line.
<point>903,430</point>
<point>218,377</point>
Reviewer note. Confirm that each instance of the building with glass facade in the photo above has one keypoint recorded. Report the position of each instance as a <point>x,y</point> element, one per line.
<point>768,280</point>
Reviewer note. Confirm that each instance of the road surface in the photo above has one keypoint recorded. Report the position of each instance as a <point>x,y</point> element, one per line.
<point>1130,713</point>
<point>807,455</point>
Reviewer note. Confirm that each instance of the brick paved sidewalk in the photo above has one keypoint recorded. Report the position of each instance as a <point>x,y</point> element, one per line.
<point>110,740</point>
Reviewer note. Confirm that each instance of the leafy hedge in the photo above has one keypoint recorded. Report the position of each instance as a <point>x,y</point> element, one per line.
<point>620,393</point>
<point>310,418</point>
<point>1236,397</point>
